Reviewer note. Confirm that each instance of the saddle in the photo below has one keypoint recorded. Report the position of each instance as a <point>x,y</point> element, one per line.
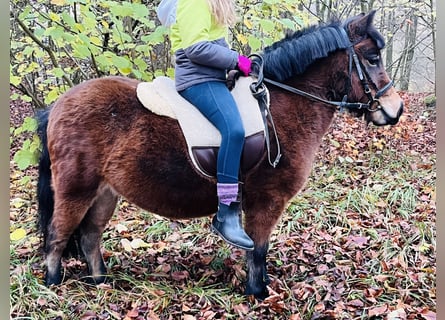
<point>203,139</point>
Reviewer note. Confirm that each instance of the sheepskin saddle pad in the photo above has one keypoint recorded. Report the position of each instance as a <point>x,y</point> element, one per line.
<point>203,139</point>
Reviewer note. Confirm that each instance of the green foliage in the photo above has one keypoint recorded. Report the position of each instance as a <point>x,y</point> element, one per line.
<point>56,45</point>
<point>28,125</point>
<point>430,101</point>
<point>28,155</point>
<point>265,22</point>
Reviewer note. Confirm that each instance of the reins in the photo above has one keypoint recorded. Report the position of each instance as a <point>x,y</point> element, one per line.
<point>372,105</point>
<point>260,92</point>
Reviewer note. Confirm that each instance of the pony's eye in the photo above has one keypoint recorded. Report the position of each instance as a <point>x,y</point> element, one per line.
<point>373,60</point>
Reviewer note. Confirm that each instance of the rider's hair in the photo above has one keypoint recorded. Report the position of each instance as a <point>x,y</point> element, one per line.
<point>224,11</point>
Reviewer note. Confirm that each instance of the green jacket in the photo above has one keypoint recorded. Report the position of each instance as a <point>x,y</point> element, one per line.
<point>200,45</point>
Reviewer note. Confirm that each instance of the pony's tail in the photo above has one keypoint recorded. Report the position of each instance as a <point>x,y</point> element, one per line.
<point>45,194</point>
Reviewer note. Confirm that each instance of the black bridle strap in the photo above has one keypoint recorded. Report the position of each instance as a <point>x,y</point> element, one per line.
<point>373,103</point>
<point>337,104</point>
<point>363,76</point>
<point>382,91</point>
<point>353,60</point>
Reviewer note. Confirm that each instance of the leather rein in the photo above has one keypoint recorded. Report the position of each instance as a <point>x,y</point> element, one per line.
<point>260,92</point>
<point>372,105</point>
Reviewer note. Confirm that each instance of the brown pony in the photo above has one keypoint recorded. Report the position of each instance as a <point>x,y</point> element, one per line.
<point>100,142</point>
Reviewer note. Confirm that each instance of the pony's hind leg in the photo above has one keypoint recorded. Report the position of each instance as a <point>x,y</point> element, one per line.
<point>91,229</point>
<point>68,213</point>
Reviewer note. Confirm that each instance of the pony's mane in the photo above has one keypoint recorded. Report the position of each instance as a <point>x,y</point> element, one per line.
<point>298,50</point>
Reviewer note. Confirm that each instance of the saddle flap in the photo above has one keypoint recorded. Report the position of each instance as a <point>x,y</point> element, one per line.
<point>206,157</point>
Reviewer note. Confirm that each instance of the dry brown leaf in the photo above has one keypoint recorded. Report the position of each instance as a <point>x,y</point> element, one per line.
<point>398,314</point>
<point>378,311</point>
<point>428,315</point>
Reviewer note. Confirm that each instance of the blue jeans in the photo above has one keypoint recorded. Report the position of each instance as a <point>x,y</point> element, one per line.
<point>216,103</point>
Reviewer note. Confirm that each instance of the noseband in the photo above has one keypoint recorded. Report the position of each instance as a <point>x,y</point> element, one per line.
<point>372,105</point>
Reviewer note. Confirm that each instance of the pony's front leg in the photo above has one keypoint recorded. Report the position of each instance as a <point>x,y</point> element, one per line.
<point>53,267</point>
<point>257,278</point>
<point>262,212</point>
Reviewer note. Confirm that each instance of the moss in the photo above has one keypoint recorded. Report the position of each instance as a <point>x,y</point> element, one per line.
<point>430,101</point>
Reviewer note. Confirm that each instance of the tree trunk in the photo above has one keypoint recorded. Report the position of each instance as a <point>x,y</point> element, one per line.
<point>389,42</point>
<point>408,54</point>
<point>433,34</point>
<point>366,5</point>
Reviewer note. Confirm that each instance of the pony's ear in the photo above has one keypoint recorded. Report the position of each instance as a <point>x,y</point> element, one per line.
<point>358,26</point>
<point>361,27</point>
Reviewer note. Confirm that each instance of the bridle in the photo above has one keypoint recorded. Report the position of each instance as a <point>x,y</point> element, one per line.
<point>260,92</point>
<point>372,105</point>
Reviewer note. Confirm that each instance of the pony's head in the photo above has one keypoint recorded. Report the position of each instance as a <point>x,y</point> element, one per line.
<point>370,82</point>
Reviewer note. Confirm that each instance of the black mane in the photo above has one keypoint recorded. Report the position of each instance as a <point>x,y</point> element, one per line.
<point>293,54</point>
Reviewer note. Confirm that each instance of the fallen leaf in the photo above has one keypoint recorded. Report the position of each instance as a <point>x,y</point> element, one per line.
<point>180,275</point>
<point>152,316</point>
<point>139,243</point>
<point>241,309</point>
<point>89,315</point>
<point>378,311</point>
<point>398,314</point>
<point>120,228</point>
<point>322,268</point>
<point>133,313</point>
<point>17,234</point>
<point>358,241</point>
<point>381,277</point>
<point>42,302</point>
<point>356,303</point>
<point>126,244</point>
<point>428,315</point>
<point>319,307</point>
<point>206,259</point>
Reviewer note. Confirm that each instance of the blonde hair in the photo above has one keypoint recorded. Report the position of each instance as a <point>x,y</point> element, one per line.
<point>224,11</point>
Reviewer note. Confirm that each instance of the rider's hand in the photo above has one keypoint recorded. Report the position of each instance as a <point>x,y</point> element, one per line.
<point>244,65</point>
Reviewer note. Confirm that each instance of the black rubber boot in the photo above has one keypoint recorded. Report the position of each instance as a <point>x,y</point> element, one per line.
<point>227,224</point>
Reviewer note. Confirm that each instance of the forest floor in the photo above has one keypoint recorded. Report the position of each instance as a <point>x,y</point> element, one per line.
<point>359,242</point>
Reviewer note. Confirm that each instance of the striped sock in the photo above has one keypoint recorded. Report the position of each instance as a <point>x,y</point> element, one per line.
<point>227,192</point>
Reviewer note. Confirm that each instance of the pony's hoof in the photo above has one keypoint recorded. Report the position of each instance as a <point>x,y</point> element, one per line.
<point>52,280</point>
<point>259,294</point>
